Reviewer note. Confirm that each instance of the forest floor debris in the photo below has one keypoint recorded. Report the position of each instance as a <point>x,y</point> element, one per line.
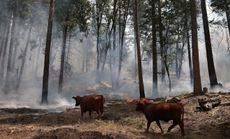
<point>120,121</point>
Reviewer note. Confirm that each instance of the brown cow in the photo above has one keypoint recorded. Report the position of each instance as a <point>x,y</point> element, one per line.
<point>90,103</point>
<point>163,111</point>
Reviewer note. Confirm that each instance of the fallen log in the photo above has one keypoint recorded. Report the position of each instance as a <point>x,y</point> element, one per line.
<point>207,103</point>
<point>225,103</point>
<point>172,100</point>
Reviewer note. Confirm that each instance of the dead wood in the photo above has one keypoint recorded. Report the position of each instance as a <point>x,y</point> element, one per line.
<point>227,103</point>
<point>207,103</point>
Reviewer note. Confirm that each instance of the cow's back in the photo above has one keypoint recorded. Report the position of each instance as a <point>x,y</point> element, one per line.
<point>92,102</point>
<point>166,111</point>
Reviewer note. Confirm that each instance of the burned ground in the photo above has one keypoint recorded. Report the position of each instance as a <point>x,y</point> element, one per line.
<point>120,120</point>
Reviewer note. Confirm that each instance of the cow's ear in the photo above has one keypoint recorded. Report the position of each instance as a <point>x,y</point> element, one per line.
<point>73,97</point>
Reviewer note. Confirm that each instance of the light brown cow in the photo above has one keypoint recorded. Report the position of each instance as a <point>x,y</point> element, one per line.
<point>90,103</point>
<point>163,111</point>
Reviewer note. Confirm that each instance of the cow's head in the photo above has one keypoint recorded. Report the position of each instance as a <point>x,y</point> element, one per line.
<point>77,100</point>
<point>139,103</point>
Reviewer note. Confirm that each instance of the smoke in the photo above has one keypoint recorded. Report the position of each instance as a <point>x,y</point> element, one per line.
<point>80,74</point>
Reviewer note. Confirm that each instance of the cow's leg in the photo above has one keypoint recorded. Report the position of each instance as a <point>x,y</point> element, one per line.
<point>172,126</point>
<point>181,124</point>
<point>159,125</point>
<point>148,125</point>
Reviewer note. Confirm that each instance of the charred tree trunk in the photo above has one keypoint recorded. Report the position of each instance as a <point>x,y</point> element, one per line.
<point>62,66</point>
<point>114,28</point>
<point>188,44</point>
<point>211,67</point>
<point>161,43</point>
<point>137,38</point>
<point>154,50</point>
<point>45,82</point>
<point>195,52</point>
<point>167,71</point>
<point>177,57</point>
<point>227,15</point>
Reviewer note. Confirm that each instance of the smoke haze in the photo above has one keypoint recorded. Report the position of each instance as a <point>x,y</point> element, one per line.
<point>80,76</point>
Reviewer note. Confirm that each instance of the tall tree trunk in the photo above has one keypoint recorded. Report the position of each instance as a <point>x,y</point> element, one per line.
<point>181,55</point>
<point>166,62</point>
<point>188,44</point>
<point>62,66</point>
<point>108,43</point>
<point>4,49</point>
<point>37,56</point>
<point>24,58</point>
<point>69,47</point>
<point>154,50</point>
<point>227,14</point>
<point>45,82</point>
<point>167,71</point>
<point>15,46</point>
<point>137,38</point>
<point>195,52</point>
<point>98,49</point>
<point>177,53</point>
<point>9,64</point>
<point>114,28</point>
<point>211,67</point>
<point>161,42</point>
<point>2,37</point>
<point>99,14</point>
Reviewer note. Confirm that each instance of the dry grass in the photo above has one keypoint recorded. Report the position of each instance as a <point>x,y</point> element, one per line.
<point>120,121</point>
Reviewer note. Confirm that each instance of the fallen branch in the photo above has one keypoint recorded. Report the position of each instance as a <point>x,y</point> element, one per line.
<point>225,103</point>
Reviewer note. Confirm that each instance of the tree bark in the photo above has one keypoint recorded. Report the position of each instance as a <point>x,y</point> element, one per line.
<point>47,54</point>
<point>227,15</point>
<point>161,42</point>
<point>188,44</point>
<point>177,57</point>
<point>4,49</point>
<point>137,38</point>
<point>154,51</point>
<point>9,63</point>
<point>62,66</point>
<point>24,58</point>
<point>195,52</point>
<point>99,14</point>
<point>211,67</point>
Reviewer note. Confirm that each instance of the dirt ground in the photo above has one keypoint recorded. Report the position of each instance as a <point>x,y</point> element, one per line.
<point>120,121</point>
